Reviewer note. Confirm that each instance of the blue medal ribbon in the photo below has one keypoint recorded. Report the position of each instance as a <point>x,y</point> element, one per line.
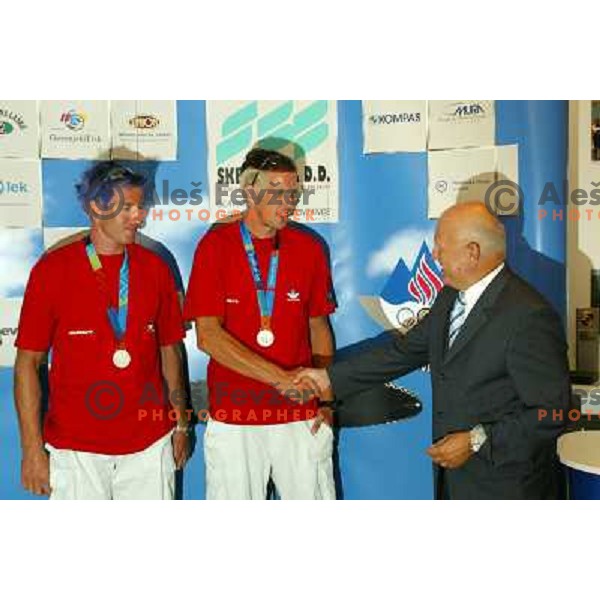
<point>265,296</point>
<point>116,317</point>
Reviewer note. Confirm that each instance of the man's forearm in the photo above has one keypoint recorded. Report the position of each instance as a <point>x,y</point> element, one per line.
<point>225,349</point>
<point>322,347</point>
<point>321,342</point>
<point>172,371</point>
<point>28,403</point>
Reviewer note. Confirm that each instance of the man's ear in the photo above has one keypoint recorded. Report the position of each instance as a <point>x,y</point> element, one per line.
<point>94,209</point>
<point>474,251</point>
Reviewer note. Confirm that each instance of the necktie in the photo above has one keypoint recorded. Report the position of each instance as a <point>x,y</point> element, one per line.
<point>457,317</point>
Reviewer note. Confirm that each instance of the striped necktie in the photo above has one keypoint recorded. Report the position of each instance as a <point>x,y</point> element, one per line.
<point>457,317</point>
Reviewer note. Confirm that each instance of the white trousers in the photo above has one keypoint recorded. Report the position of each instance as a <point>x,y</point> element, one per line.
<point>240,459</point>
<point>145,475</point>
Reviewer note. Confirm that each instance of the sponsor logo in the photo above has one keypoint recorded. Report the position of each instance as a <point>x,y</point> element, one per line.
<point>393,118</point>
<point>468,110</point>
<point>9,120</point>
<point>144,122</point>
<point>408,294</point>
<point>464,111</point>
<point>13,187</point>
<point>306,126</point>
<point>441,186</point>
<point>293,296</point>
<point>6,128</point>
<point>232,300</point>
<point>7,332</point>
<point>74,120</point>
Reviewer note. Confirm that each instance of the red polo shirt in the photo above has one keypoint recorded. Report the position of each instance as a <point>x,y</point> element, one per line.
<point>221,285</point>
<point>95,406</point>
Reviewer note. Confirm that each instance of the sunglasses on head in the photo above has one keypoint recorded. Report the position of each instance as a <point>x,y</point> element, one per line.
<point>265,160</point>
<point>267,164</point>
<point>118,172</point>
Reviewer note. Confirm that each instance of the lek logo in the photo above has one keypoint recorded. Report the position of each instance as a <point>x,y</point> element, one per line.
<point>408,295</point>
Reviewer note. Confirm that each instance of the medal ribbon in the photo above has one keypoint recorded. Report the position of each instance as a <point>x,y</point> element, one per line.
<point>116,317</point>
<point>265,296</point>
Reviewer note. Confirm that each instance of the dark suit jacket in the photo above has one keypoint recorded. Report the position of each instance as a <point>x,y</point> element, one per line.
<point>506,370</point>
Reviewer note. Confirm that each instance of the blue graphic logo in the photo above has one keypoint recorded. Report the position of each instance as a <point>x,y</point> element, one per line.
<point>408,293</point>
<point>307,128</point>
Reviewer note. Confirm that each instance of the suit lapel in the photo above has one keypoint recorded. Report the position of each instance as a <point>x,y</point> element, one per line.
<point>478,316</point>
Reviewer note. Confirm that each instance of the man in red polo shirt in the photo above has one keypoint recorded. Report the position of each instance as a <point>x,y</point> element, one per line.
<point>259,293</point>
<point>108,310</point>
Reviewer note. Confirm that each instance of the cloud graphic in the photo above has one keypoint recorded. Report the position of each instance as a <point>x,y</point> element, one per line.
<point>175,226</point>
<point>403,244</point>
<point>19,250</point>
<point>178,237</point>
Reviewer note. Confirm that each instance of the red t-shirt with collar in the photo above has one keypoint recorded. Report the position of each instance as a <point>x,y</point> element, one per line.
<point>221,285</point>
<point>93,405</point>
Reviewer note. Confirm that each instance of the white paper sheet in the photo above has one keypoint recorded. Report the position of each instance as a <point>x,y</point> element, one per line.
<point>144,129</point>
<point>19,129</point>
<point>394,125</point>
<point>75,129</point>
<point>461,124</point>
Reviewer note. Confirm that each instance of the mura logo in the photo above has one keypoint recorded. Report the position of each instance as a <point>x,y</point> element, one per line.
<point>408,294</point>
<point>293,296</point>
<point>246,124</point>
<point>469,110</point>
<point>392,118</point>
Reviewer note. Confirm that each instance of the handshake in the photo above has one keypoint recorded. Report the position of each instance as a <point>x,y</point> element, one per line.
<point>304,384</point>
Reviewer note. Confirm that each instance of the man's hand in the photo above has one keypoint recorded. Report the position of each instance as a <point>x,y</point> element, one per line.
<point>181,448</point>
<point>296,388</point>
<point>35,472</point>
<point>452,451</point>
<point>324,416</point>
<point>317,378</point>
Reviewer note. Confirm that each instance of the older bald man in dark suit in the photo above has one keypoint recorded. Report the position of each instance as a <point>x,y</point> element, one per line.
<point>499,368</point>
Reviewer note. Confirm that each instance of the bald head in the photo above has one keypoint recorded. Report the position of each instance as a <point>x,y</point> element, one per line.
<point>473,222</point>
<point>470,242</point>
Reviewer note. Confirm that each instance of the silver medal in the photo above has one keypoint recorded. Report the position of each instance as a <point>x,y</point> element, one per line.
<point>121,358</point>
<point>265,338</point>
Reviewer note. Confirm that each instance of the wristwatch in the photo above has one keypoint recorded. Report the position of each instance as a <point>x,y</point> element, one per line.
<point>478,437</point>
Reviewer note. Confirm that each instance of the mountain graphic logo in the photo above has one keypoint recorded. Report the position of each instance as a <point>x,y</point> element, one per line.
<point>408,293</point>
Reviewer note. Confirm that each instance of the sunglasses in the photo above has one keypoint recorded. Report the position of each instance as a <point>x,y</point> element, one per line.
<point>267,164</point>
<point>116,173</point>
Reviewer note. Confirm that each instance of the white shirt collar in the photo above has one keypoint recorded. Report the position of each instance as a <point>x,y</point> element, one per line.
<point>473,293</point>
